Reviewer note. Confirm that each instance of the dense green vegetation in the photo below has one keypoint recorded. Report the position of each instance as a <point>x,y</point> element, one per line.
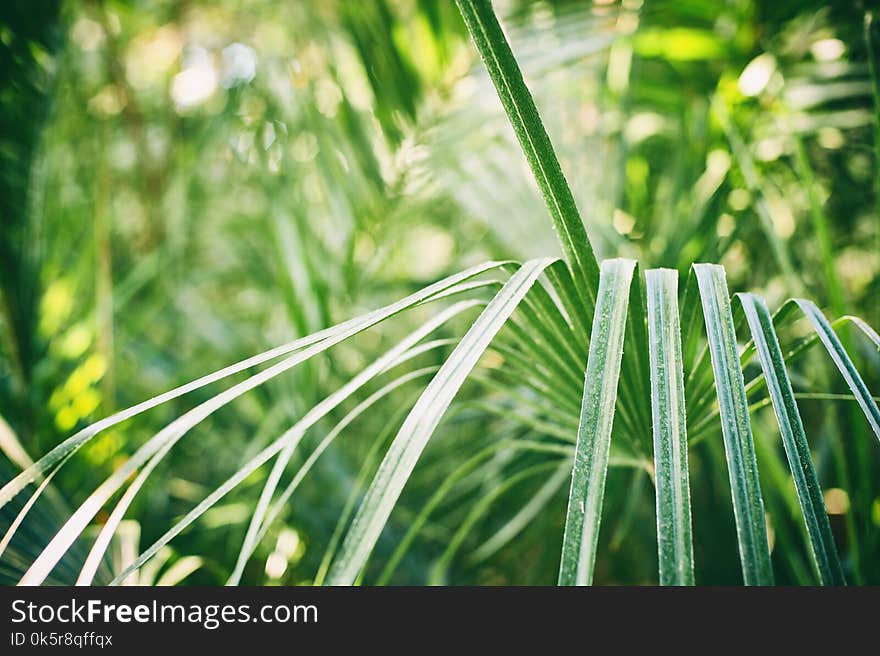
<point>186,185</point>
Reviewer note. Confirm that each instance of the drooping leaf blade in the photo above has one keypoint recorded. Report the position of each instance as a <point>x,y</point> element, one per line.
<point>174,431</point>
<point>390,358</point>
<point>868,331</point>
<point>844,363</point>
<point>794,440</point>
<point>396,467</point>
<point>295,433</point>
<point>398,353</point>
<point>71,444</point>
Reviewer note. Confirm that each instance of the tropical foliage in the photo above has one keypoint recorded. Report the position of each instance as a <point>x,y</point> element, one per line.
<point>209,183</point>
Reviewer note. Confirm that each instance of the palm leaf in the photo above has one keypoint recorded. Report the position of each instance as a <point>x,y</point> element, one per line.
<point>329,336</point>
<point>584,316</point>
<point>402,351</point>
<point>420,424</point>
<point>794,440</point>
<point>674,541</point>
<point>597,416</point>
<point>748,503</point>
<point>162,442</point>
<point>844,363</point>
<point>492,45</point>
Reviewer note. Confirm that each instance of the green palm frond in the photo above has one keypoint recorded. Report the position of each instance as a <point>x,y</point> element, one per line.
<point>587,371</point>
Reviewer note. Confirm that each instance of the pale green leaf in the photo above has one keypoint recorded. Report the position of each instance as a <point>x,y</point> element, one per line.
<point>413,436</point>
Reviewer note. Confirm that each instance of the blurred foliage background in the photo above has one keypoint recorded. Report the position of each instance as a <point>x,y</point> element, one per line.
<point>184,184</point>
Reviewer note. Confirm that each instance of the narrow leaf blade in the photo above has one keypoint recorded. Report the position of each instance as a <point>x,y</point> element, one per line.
<point>74,442</point>
<point>794,440</point>
<point>492,45</point>
<point>399,462</point>
<point>739,448</point>
<point>674,539</point>
<point>844,363</point>
<point>594,432</point>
